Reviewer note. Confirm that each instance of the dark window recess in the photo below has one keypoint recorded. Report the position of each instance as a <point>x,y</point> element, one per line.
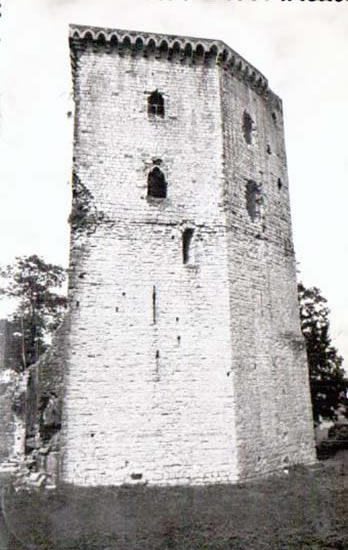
<point>156,184</point>
<point>253,199</point>
<point>155,104</point>
<point>186,245</point>
<point>247,127</point>
<point>280,184</point>
<point>157,363</point>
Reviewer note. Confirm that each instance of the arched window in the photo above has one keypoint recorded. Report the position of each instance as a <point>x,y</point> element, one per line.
<point>155,104</point>
<point>156,184</point>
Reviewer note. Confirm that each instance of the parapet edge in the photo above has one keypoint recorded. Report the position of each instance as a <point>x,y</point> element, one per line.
<point>184,49</point>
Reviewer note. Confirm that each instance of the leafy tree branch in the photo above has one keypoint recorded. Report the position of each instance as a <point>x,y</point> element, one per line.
<point>33,284</point>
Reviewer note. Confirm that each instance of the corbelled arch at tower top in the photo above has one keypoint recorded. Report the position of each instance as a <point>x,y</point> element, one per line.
<point>185,363</point>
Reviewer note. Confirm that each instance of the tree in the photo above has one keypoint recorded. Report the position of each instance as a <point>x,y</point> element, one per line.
<point>33,283</point>
<point>327,377</point>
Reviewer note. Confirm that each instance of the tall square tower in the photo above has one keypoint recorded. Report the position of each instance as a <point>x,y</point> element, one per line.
<point>185,362</point>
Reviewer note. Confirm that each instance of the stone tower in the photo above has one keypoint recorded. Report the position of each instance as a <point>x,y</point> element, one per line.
<point>185,363</point>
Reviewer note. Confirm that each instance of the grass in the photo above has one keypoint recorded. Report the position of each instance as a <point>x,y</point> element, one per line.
<point>306,509</point>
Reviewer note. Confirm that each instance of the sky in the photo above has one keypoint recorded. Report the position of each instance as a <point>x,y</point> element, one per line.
<point>301,46</point>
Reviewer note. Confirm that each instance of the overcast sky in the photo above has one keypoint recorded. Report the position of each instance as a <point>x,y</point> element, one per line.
<point>300,46</point>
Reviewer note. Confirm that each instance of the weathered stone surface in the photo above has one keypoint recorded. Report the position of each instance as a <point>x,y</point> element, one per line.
<point>10,345</point>
<point>185,363</point>
<point>12,415</point>
<point>12,397</point>
<point>43,410</point>
<point>7,427</point>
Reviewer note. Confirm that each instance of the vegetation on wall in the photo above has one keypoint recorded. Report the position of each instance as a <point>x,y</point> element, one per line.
<point>84,216</point>
<point>328,382</point>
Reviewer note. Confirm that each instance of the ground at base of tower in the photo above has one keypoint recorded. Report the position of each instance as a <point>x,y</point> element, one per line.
<point>305,508</point>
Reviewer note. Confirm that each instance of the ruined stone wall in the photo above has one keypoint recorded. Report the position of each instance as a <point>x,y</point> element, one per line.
<point>43,407</point>
<point>10,345</point>
<point>2,342</point>
<point>148,395</point>
<point>274,420</point>
<point>7,422</point>
<point>12,393</point>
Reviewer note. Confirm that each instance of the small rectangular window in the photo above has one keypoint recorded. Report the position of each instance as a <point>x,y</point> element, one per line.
<point>155,104</point>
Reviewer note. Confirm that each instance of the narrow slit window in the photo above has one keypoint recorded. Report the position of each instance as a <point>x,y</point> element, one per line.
<point>186,245</point>
<point>155,104</point>
<point>248,127</point>
<point>156,184</point>
<point>154,304</point>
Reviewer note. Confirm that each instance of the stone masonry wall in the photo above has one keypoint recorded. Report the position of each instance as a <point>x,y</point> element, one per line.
<point>7,423</point>
<point>274,420</point>
<point>180,372</point>
<point>12,399</point>
<point>2,342</point>
<point>148,394</point>
<point>44,402</point>
<point>10,345</point>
